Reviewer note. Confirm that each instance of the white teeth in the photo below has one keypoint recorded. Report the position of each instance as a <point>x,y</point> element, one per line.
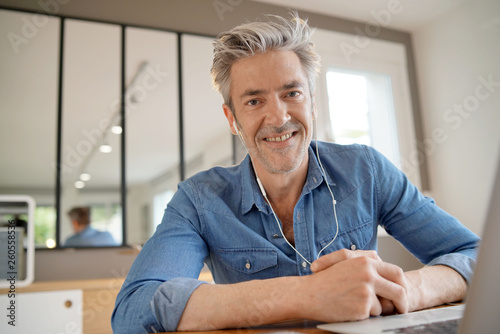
<point>282,138</point>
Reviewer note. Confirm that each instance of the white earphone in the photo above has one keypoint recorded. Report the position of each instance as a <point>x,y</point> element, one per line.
<point>264,194</point>
<point>236,128</point>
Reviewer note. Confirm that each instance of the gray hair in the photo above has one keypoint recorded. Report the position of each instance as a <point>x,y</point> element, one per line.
<point>259,37</point>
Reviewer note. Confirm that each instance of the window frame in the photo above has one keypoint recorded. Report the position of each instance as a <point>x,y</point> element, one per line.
<point>380,57</point>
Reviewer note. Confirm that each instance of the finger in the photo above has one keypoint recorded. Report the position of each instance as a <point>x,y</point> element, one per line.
<point>387,306</point>
<point>395,294</point>
<point>391,285</point>
<point>340,255</point>
<point>376,307</point>
<point>393,273</point>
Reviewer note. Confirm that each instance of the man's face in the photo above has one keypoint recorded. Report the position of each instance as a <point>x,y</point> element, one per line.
<point>273,109</point>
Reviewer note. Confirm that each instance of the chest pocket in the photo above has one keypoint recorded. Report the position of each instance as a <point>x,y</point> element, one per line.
<point>243,264</point>
<point>357,237</point>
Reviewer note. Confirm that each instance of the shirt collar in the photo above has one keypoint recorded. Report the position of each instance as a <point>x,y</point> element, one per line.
<point>251,194</point>
<point>314,174</point>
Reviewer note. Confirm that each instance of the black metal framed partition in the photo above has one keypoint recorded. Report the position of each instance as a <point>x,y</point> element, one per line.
<point>143,94</point>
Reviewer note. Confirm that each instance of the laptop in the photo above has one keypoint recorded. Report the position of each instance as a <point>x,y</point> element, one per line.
<point>479,315</point>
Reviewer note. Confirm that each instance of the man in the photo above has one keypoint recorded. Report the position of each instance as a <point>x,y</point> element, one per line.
<point>85,235</point>
<point>289,234</point>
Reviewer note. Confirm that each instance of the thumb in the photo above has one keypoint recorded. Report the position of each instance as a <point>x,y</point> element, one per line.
<point>324,262</point>
<point>340,255</point>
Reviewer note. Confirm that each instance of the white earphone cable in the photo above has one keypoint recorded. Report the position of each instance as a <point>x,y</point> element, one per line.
<point>278,221</point>
<point>262,190</point>
<point>331,193</point>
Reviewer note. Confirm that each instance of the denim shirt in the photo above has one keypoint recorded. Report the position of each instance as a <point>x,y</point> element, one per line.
<point>90,237</point>
<point>220,218</point>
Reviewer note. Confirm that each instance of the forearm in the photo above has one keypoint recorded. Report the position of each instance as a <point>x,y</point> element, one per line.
<point>253,303</point>
<point>344,287</point>
<point>434,285</point>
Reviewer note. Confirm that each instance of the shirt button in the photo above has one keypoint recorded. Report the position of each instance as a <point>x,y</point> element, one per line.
<point>353,247</point>
<point>248,265</point>
<point>304,264</point>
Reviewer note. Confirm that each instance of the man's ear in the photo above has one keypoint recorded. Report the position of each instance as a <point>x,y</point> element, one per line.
<point>230,118</point>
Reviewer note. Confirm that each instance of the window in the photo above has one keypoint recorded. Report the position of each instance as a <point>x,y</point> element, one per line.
<point>365,98</point>
<point>107,217</point>
<point>45,226</point>
<point>362,110</point>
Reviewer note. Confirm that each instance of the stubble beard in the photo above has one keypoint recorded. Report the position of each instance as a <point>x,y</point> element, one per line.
<point>285,160</point>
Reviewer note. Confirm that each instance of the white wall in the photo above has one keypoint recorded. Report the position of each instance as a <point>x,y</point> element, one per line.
<point>455,55</point>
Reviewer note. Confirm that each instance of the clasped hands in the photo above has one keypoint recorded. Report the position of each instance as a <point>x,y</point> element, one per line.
<point>353,285</point>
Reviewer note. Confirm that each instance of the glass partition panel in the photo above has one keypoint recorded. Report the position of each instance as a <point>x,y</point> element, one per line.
<point>207,137</point>
<point>152,128</point>
<point>28,114</point>
<point>90,145</point>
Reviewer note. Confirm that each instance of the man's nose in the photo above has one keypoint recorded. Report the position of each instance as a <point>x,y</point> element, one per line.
<point>277,112</point>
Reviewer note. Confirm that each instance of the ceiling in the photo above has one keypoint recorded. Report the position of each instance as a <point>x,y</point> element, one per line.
<point>408,15</point>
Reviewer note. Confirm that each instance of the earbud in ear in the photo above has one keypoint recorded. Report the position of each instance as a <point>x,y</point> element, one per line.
<point>235,126</point>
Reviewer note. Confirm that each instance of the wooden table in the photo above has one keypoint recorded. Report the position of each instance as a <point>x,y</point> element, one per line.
<point>287,327</point>
<point>294,326</point>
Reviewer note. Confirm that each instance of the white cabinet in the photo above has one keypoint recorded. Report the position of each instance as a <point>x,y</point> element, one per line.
<point>50,312</point>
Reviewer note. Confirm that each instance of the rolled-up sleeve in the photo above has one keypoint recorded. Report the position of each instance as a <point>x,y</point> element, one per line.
<point>167,299</point>
<point>463,264</point>
<point>428,232</point>
<point>164,274</point>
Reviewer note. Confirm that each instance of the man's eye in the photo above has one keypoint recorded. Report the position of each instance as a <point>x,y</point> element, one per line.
<point>293,94</point>
<point>252,102</point>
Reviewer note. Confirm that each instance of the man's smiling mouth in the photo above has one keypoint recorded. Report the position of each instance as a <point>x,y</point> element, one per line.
<point>281,138</point>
